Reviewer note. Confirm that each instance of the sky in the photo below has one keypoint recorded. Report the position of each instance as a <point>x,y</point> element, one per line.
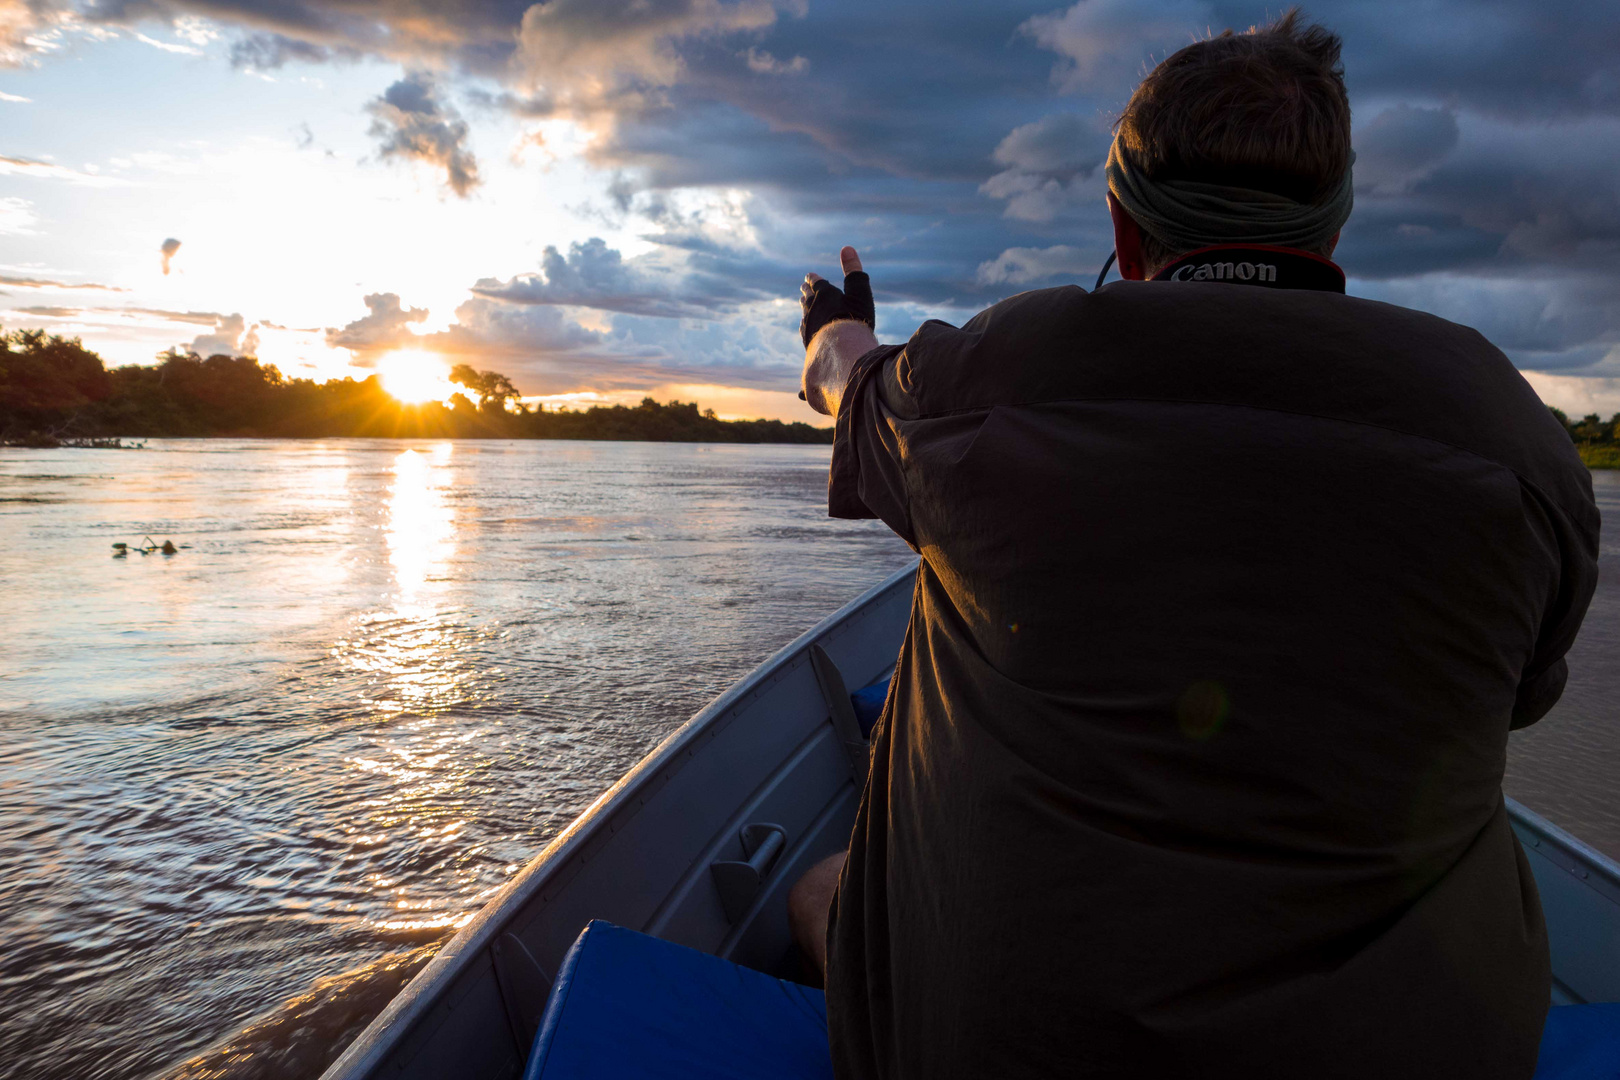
<point>606,198</point>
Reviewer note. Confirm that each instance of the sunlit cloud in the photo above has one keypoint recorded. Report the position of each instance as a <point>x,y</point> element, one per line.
<point>45,170</point>
<point>168,46</point>
<point>16,216</point>
<point>1580,395</point>
<point>385,326</point>
<point>46,283</point>
<point>231,336</point>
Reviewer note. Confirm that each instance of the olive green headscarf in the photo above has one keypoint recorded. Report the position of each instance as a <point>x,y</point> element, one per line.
<point>1185,215</point>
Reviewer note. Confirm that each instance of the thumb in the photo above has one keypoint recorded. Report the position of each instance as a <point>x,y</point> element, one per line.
<point>851,261</point>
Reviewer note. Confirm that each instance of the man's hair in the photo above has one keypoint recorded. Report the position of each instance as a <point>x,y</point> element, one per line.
<point>1265,109</point>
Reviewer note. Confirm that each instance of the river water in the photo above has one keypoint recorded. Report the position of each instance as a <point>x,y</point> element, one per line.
<point>246,789</point>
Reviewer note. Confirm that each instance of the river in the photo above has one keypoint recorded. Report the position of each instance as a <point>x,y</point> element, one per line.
<point>248,787</point>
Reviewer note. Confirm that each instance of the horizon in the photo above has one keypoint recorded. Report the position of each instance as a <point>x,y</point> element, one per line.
<point>614,204</point>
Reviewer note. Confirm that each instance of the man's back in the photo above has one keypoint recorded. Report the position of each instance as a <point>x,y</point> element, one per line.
<point>1192,763</point>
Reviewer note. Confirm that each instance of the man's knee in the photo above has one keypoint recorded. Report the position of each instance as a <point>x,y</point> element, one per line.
<point>809,904</point>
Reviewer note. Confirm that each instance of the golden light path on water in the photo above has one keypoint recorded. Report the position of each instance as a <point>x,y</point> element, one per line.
<point>410,652</point>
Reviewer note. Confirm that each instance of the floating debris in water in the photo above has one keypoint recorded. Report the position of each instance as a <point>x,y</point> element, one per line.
<point>121,550</point>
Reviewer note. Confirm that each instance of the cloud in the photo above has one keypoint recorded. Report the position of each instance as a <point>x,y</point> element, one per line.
<point>125,316</point>
<point>169,46</point>
<point>1578,395</point>
<point>50,312</point>
<point>490,327</point>
<point>593,275</point>
<point>16,216</point>
<point>591,51</point>
<point>761,62</point>
<point>231,337</point>
<point>414,123</point>
<point>1109,43</point>
<point>45,170</point>
<point>554,350</point>
<point>1046,164</point>
<point>23,29</point>
<point>168,249</point>
<point>15,98</point>
<point>385,327</point>
<point>1024,266</point>
<point>47,283</point>
<point>266,52</point>
<point>199,318</point>
<point>1401,145</point>
<point>1503,196</point>
<point>1565,323</point>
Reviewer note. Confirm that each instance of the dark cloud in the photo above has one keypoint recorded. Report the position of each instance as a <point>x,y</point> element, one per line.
<point>1401,144</point>
<point>1500,197</point>
<point>265,52</point>
<point>168,249</point>
<point>413,122</point>
<point>593,275</point>
<point>385,326</point>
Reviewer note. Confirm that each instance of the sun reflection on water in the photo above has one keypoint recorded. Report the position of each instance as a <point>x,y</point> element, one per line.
<point>421,522</point>
<point>419,660</point>
<point>412,651</point>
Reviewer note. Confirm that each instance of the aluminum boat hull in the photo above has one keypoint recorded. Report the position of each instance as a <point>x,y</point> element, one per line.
<point>772,757</point>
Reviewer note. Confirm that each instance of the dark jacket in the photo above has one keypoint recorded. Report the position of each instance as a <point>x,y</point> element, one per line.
<point>1192,763</point>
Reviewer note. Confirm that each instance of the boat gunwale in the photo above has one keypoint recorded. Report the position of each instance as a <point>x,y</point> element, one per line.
<point>1568,852</point>
<point>419,997</point>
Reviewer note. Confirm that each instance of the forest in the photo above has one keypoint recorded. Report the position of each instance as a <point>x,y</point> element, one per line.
<point>54,391</point>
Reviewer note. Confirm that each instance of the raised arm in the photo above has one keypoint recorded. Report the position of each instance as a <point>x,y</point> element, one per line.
<point>837,331</point>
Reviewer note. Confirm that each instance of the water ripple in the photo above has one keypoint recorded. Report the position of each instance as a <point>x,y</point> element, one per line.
<point>248,789</point>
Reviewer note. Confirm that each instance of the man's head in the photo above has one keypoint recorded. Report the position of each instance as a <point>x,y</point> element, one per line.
<point>1263,111</point>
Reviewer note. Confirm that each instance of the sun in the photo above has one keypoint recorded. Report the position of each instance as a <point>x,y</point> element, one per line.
<point>415,376</point>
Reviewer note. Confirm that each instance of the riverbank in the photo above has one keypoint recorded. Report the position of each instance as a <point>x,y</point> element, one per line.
<point>1598,456</point>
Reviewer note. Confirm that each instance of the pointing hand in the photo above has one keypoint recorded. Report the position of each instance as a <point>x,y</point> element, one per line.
<point>823,302</point>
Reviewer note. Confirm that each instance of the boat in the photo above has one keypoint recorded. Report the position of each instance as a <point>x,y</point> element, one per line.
<point>700,842</point>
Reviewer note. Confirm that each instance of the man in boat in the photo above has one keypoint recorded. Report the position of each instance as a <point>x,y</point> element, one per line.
<point>1231,589</point>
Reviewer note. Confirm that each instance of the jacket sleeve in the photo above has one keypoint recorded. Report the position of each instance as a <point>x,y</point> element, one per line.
<point>1576,545</point>
<point>867,478</point>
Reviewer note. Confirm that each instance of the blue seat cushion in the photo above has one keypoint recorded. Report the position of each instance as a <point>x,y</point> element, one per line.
<point>1580,1042</point>
<point>868,702</point>
<point>626,1006</point>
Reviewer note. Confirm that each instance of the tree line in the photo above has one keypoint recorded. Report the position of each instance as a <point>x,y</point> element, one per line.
<point>53,390</point>
<point>1597,439</point>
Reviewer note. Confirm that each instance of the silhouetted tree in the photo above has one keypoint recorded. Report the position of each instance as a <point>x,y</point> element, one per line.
<point>46,382</point>
<point>494,390</point>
